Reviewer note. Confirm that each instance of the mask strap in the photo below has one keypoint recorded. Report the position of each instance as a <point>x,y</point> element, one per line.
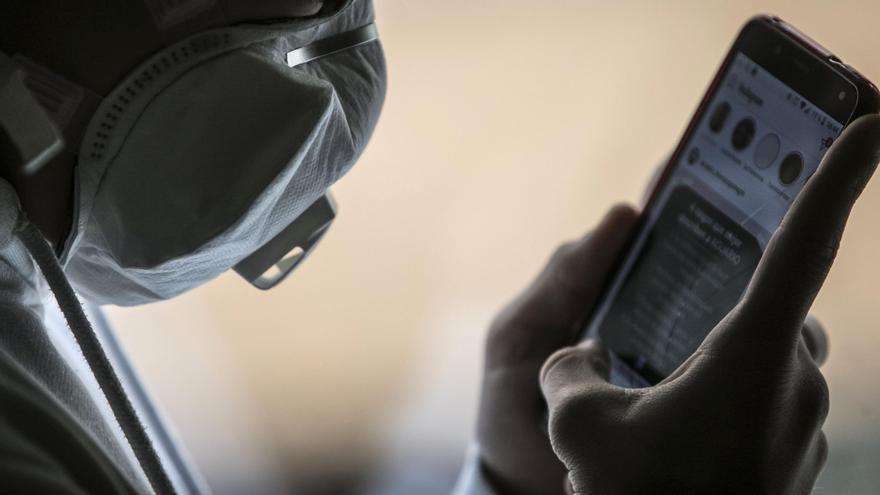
<point>274,261</point>
<point>29,137</point>
<point>60,97</point>
<point>90,345</point>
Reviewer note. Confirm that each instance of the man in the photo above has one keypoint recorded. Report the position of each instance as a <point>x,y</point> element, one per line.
<point>198,131</point>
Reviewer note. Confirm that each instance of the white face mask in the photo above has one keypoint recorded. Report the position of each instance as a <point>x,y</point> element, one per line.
<point>210,150</point>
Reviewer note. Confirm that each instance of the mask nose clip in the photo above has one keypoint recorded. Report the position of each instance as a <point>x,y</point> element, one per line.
<point>278,258</point>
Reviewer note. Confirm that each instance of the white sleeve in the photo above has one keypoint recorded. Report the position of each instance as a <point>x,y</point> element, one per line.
<point>40,392</point>
<point>472,480</point>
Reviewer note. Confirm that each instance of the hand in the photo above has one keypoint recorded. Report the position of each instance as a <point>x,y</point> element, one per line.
<point>515,452</point>
<point>744,413</point>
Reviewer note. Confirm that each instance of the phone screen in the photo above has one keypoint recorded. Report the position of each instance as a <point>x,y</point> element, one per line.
<point>752,150</point>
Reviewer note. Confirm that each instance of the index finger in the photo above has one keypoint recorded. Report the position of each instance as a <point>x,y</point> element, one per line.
<point>802,250</point>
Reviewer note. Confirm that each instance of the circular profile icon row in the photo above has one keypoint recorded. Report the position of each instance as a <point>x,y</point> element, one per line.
<point>766,151</point>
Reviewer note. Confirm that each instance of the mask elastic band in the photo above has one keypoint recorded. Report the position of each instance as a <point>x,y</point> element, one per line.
<point>28,137</point>
<point>60,97</point>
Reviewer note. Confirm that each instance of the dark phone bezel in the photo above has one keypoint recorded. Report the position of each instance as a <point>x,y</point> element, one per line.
<point>803,64</point>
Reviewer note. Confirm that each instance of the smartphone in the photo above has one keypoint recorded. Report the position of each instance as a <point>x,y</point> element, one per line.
<point>773,109</point>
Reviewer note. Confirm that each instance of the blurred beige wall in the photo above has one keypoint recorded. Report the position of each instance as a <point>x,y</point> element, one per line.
<point>509,126</point>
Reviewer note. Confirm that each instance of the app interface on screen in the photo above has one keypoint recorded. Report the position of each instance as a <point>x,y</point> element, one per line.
<point>752,152</point>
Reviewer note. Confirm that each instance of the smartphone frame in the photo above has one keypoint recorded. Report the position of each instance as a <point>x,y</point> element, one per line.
<point>770,31</point>
<point>800,63</point>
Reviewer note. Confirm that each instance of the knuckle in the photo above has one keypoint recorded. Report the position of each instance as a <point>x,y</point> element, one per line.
<point>823,251</point>
<point>566,373</point>
<point>815,397</point>
<point>821,450</point>
<point>570,408</point>
<point>557,364</point>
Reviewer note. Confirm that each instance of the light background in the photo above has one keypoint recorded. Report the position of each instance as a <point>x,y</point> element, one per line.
<point>509,127</point>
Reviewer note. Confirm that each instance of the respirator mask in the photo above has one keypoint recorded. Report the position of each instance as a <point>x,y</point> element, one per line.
<point>217,152</point>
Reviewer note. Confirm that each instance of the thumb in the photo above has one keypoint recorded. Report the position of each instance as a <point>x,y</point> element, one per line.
<point>571,371</point>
